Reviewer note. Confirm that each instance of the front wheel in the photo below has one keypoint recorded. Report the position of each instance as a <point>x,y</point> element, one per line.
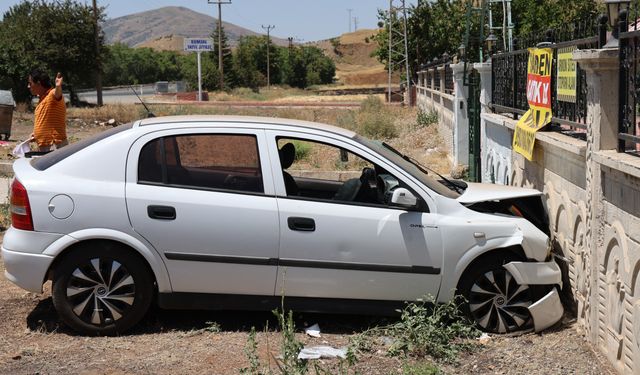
<point>496,302</point>
<point>102,289</point>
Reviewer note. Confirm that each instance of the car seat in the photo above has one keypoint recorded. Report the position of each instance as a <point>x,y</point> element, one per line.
<point>287,154</point>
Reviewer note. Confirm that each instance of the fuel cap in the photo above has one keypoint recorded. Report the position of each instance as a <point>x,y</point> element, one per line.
<point>61,206</point>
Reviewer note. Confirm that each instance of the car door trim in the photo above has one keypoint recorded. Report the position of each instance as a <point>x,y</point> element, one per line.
<point>221,259</point>
<point>424,270</point>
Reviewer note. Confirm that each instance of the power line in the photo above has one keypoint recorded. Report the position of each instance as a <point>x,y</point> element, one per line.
<point>268,28</point>
<point>220,64</point>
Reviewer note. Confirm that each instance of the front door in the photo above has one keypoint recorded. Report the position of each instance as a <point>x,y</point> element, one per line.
<point>340,237</point>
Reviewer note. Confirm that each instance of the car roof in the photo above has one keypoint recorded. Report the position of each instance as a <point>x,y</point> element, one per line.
<point>242,121</point>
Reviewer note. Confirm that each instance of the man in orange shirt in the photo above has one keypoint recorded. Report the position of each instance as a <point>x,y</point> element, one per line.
<point>50,120</point>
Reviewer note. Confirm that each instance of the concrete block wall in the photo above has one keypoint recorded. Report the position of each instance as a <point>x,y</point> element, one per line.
<point>442,104</point>
<point>451,110</point>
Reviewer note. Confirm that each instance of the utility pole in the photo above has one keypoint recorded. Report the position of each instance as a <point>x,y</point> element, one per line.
<point>96,34</point>
<point>355,23</point>
<point>268,28</point>
<point>349,10</point>
<point>398,46</point>
<point>220,65</point>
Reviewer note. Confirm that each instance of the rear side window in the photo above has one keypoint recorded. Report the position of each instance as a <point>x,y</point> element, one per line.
<point>209,161</point>
<point>44,162</point>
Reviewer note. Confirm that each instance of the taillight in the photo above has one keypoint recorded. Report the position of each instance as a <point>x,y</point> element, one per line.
<point>20,208</point>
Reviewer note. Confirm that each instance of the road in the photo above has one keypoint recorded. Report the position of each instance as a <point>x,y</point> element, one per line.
<point>122,95</point>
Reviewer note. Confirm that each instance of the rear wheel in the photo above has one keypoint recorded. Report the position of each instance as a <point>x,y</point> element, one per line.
<point>496,302</point>
<point>102,289</point>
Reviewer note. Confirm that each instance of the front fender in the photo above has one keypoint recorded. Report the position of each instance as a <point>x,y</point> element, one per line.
<point>147,251</point>
<point>450,280</point>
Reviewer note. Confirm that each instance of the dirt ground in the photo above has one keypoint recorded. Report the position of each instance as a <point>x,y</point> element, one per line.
<point>33,341</point>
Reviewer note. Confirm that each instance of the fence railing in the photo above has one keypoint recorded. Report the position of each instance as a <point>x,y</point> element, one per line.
<point>433,74</point>
<point>629,114</point>
<point>509,80</point>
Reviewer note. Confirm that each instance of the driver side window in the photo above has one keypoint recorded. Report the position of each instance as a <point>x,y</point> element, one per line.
<point>321,171</point>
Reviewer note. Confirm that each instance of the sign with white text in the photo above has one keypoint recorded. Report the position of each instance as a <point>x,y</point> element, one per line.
<point>198,44</point>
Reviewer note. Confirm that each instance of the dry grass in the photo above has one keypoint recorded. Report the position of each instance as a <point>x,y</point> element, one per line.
<point>122,113</point>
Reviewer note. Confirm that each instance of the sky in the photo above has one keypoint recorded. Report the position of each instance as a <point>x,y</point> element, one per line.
<point>304,20</point>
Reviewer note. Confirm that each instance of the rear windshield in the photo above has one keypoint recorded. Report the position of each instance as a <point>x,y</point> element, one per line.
<point>44,162</point>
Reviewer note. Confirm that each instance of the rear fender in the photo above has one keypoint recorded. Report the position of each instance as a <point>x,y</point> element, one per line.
<point>147,251</point>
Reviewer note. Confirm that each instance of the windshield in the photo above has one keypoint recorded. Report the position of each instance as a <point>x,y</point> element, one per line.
<point>408,167</point>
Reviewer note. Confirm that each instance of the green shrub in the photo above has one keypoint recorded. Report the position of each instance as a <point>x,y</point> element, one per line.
<point>374,119</point>
<point>302,149</point>
<point>425,329</point>
<point>421,369</point>
<point>377,126</point>
<point>425,118</point>
<point>371,104</point>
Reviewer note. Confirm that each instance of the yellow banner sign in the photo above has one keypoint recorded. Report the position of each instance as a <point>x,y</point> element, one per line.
<point>566,79</point>
<point>539,98</point>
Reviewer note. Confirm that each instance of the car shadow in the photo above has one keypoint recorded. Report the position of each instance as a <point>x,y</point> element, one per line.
<point>44,319</point>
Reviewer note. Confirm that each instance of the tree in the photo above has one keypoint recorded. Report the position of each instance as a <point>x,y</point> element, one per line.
<point>433,28</point>
<point>245,62</point>
<point>57,36</point>
<point>230,79</point>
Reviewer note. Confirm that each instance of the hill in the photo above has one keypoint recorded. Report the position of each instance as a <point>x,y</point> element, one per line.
<point>352,54</point>
<point>169,25</point>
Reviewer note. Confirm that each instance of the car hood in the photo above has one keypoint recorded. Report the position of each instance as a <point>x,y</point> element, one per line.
<point>478,192</point>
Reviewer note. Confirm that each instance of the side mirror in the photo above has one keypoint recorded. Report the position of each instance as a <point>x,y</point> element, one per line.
<point>403,198</point>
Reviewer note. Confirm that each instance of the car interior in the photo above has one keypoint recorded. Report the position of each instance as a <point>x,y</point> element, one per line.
<point>368,183</point>
<point>160,162</point>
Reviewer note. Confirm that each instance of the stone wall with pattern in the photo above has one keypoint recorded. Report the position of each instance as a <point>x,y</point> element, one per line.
<point>592,194</point>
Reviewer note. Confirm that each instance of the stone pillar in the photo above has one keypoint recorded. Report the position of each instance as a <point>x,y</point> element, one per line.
<point>461,120</point>
<point>485,84</point>
<point>602,72</point>
<point>486,75</point>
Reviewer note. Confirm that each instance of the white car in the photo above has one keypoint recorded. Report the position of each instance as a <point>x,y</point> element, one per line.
<point>237,212</point>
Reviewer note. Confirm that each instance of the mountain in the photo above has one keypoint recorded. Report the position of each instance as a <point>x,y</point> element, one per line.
<point>172,23</point>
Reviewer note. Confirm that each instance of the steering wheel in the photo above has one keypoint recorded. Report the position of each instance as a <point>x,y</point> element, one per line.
<point>362,189</point>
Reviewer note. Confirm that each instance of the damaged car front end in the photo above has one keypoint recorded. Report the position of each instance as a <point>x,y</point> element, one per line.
<point>539,272</point>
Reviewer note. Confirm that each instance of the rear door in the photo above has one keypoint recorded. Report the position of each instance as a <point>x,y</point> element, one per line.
<point>204,199</point>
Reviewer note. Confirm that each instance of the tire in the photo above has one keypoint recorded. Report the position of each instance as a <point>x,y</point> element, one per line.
<point>495,301</point>
<point>102,289</point>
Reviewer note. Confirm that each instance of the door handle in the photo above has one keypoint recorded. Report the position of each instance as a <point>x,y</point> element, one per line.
<point>303,224</point>
<point>161,212</point>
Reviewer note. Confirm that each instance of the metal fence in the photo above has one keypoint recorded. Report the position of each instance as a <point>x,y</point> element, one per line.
<point>509,78</point>
<point>432,77</point>
<point>629,115</point>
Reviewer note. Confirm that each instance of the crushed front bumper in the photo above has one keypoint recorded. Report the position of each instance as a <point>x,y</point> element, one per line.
<point>547,310</point>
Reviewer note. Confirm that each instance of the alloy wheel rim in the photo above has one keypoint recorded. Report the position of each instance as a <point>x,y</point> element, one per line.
<point>498,303</point>
<point>100,291</point>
